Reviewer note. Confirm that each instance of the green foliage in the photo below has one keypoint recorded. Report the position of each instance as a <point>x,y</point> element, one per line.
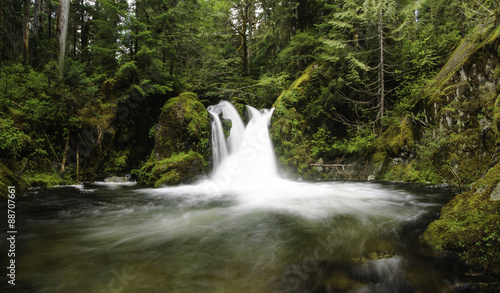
<point>300,51</point>
<point>12,140</point>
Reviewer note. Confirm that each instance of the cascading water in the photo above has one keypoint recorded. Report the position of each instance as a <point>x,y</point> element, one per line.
<point>246,159</point>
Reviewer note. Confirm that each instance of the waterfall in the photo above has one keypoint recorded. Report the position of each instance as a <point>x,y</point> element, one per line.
<point>246,157</point>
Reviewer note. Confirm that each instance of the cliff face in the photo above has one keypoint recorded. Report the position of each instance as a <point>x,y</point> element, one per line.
<point>464,104</point>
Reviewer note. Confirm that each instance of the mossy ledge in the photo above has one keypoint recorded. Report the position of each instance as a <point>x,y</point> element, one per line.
<point>182,148</point>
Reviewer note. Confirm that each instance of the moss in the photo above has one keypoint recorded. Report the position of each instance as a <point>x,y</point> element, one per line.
<point>171,171</point>
<point>469,225</point>
<point>9,178</point>
<point>399,137</point>
<point>496,119</point>
<point>289,127</point>
<point>119,162</point>
<point>46,179</point>
<point>484,34</point>
<point>182,147</point>
<point>183,125</point>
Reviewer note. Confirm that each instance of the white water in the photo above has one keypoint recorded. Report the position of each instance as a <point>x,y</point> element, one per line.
<point>245,169</point>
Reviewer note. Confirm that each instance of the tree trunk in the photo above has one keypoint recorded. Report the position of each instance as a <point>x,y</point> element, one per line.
<point>1,31</point>
<point>62,32</point>
<point>382,68</point>
<point>77,165</point>
<point>136,39</point>
<point>26,32</point>
<point>36,18</point>
<point>49,14</point>
<point>66,149</point>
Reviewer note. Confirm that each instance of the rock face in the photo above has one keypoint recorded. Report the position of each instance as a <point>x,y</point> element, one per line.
<point>465,112</point>
<point>182,143</point>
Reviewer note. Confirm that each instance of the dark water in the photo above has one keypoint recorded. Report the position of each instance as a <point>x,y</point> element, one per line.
<point>327,237</point>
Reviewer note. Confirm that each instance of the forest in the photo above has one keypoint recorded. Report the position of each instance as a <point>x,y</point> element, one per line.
<point>83,82</point>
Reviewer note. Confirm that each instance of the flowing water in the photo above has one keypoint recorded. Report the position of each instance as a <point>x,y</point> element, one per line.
<point>243,229</point>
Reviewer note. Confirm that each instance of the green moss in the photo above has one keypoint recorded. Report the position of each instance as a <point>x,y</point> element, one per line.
<point>171,171</point>
<point>469,225</point>
<point>45,180</point>
<point>183,125</point>
<point>484,34</point>
<point>289,127</point>
<point>496,118</point>
<point>9,178</point>
<point>182,143</point>
<point>399,137</point>
<point>119,163</point>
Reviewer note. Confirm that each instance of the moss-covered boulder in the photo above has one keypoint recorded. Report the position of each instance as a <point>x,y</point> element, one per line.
<point>9,178</point>
<point>469,225</point>
<point>182,143</point>
<point>183,125</point>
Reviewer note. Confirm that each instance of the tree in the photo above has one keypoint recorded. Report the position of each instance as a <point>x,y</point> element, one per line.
<point>26,31</point>
<point>356,30</point>
<point>244,22</point>
<point>62,32</point>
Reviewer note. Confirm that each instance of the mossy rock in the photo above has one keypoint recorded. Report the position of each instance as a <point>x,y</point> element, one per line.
<point>182,147</point>
<point>9,178</point>
<point>469,225</point>
<point>174,170</point>
<point>183,125</point>
<point>289,125</point>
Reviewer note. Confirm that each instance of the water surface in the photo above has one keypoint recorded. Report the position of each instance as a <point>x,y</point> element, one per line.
<point>298,237</point>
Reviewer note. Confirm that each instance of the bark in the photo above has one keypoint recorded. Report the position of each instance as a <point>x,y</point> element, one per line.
<point>66,149</point>
<point>26,31</point>
<point>1,30</point>
<point>50,18</point>
<point>245,10</point>
<point>382,68</point>
<point>62,32</point>
<point>36,18</point>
